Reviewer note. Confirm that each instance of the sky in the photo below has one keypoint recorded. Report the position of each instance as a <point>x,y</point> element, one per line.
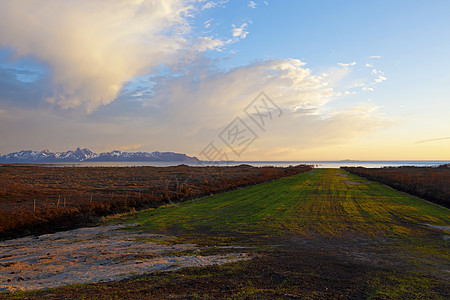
<point>239,80</point>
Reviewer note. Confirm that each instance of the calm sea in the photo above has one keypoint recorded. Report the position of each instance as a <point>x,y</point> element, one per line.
<point>318,164</point>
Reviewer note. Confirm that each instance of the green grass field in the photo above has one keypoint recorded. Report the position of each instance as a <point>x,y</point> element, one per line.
<point>322,202</point>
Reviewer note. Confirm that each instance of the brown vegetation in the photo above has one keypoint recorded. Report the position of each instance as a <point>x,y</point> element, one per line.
<point>38,199</point>
<point>430,183</point>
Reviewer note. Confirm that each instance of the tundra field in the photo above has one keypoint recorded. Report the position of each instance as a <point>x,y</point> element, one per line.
<point>322,234</point>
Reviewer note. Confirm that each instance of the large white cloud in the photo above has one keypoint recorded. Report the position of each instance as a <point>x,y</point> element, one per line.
<point>193,108</point>
<point>91,46</point>
<point>187,111</point>
<point>210,97</point>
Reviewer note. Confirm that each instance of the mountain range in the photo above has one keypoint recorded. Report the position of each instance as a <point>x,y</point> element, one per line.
<point>80,155</point>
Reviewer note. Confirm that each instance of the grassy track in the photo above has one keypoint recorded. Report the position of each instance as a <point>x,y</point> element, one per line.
<point>324,202</point>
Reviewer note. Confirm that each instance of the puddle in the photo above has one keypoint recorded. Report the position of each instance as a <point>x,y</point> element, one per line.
<point>341,174</point>
<point>355,183</point>
<point>352,182</point>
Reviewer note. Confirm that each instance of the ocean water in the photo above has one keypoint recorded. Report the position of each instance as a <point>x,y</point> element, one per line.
<point>317,164</point>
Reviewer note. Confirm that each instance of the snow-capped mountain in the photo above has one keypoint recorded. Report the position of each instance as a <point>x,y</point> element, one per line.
<point>45,156</point>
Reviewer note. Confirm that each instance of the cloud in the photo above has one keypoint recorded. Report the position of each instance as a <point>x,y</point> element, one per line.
<point>338,127</point>
<point>432,140</point>
<point>356,80</point>
<point>207,23</point>
<point>239,32</point>
<point>375,56</point>
<point>39,129</point>
<point>208,43</point>
<point>358,84</point>
<point>368,89</point>
<point>186,111</point>
<point>252,4</point>
<point>22,88</point>
<point>217,96</point>
<point>133,147</point>
<point>213,4</point>
<point>380,78</point>
<point>204,101</point>
<point>92,48</point>
<point>347,64</point>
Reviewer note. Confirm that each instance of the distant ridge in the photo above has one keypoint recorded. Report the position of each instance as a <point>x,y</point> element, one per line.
<point>80,155</point>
